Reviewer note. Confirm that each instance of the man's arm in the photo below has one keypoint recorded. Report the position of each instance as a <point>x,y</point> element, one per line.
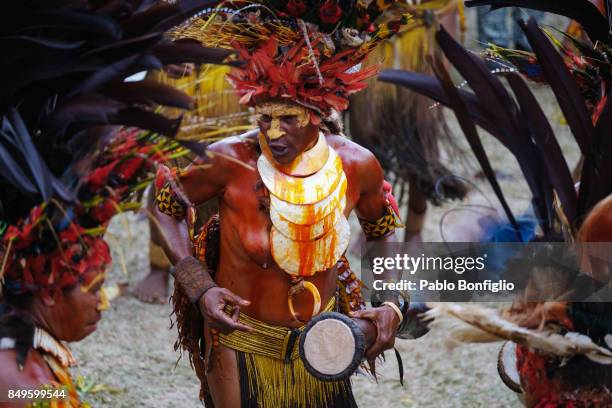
<point>195,279</point>
<point>372,208</point>
<point>200,182</point>
<point>203,180</point>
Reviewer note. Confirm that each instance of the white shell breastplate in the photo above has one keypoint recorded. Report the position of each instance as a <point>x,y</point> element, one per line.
<point>309,230</point>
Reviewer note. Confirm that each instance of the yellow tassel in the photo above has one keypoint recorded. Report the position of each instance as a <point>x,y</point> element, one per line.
<point>217,113</point>
<point>462,20</point>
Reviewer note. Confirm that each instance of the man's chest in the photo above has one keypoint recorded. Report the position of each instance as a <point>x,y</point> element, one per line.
<point>248,196</point>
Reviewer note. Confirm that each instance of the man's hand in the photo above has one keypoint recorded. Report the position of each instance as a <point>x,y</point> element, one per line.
<point>386,321</point>
<point>211,306</point>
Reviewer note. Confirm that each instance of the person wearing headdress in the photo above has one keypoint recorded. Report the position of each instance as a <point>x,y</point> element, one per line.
<point>398,126</point>
<point>68,166</point>
<point>271,259</point>
<point>559,330</point>
<point>409,137</point>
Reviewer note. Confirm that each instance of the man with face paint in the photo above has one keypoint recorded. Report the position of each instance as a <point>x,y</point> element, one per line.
<point>280,280</point>
<point>285,192</point>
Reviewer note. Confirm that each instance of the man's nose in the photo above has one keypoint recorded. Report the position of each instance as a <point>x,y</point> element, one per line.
<point>103,301</point>
<point>274,132</point>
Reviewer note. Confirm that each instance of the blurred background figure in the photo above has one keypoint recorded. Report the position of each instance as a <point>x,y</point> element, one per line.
<point>216,115</point>
<point>500,28</point>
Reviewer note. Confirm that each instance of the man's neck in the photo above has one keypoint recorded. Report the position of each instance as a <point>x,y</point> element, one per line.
<point>312,143</point>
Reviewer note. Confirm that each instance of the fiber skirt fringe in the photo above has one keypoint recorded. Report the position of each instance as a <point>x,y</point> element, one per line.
<point>267,382</point>
<point>272,374</point>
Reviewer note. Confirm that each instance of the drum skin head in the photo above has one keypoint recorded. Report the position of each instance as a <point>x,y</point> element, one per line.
<point>331,346</point>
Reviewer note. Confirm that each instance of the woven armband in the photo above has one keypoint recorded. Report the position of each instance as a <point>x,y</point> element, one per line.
<point>170,203</point>
<point>382,226</point>
<point>193,278</point>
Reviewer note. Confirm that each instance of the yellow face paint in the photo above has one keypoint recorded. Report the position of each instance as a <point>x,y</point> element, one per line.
<point>104,302</point>
<point>275,111</point>
<point>275,131</point>
<point>87,286</point>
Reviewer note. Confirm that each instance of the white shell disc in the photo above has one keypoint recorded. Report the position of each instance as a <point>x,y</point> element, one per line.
<point>305,258</point>
<point>308,214</point>
<point>305,232</point>
<point>301,190</point>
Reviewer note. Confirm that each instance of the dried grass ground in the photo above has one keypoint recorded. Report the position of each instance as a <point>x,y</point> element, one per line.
<point>132,351</point>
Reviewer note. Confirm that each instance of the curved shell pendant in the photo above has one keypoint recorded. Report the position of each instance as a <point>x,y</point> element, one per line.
<point>311,213</point>
<point>305,258</point>
<point>306,232</point>
<point>306,163</point>
<point>302,190</point>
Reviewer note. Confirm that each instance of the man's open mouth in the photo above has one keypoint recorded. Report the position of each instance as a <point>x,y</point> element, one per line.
<point>278,150</point>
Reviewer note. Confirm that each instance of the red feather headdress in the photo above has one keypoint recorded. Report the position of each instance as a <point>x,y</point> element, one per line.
<point>308,52</point>
<point>271,73</point>
<point>55,245</point>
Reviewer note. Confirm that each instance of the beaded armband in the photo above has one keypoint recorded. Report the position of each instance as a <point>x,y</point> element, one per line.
<point>382,226</point>
<point>390,219</point>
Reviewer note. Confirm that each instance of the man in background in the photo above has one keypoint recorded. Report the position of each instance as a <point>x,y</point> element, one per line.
<point>500,26</point>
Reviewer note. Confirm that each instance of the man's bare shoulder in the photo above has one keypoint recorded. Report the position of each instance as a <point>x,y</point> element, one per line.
<point>351,153</point>
<point>236,147</point>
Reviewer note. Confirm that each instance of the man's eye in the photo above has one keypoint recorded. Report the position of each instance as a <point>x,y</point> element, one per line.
<point>96,288</point>
<point>288,118</point>
<point>265,118</point>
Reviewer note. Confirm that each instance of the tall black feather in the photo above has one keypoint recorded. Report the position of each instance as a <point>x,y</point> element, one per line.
<point>432,88</point>
<point>596,181</point>
<point>583,11</point>
<point>545,139</point>
<point>504,113</point>
<point>469,129</point>
<point>563,85</point>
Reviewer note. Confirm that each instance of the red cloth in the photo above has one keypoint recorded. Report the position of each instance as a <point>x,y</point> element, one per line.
<point>388,192</point>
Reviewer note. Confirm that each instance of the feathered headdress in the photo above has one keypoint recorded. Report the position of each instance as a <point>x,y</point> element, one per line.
<point>549,357</point>
<point>519,123</point>
<point>304,51</point>
<point>64,170</point>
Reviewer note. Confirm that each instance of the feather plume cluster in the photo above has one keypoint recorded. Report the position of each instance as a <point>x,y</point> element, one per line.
<point>295,78</point>
<point>518,122</point>
<point>64,98</point>
<point>310,56</point>
<point>477,324</point>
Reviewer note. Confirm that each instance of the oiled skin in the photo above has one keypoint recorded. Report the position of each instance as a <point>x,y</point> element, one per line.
<point>246,267</point>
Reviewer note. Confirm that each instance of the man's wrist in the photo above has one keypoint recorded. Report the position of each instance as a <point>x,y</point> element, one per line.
<point>396,309</point>
<point>205,289</point>
<point>193,278</point>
